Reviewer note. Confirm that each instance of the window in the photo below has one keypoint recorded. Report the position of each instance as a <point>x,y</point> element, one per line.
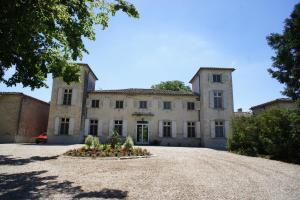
<point>93,127</point>
<point>191,106</point>
<point>167,105</point>
<point>67,97</point>
<point>95,103</point>
<point>143,104</point>
<point>64,126</point>
<point>118,126</point>
<point>217,78</point>
<point>218,99</point>
<point>167,127</point>
<point>219,128</point>
<point>191,129</point>
<point>119,104</point>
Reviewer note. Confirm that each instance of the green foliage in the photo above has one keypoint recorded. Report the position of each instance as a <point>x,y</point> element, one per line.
<point>128,144</point>
<point>40,37</point>
<point>114,139</point>
<point>172,85</point>
<point>286,67</point>
<point>92,142</point>
<point>275,133</point>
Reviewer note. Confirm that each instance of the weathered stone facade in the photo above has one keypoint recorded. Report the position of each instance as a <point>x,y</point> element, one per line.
<point>198,118</point>
<point>21,117</point>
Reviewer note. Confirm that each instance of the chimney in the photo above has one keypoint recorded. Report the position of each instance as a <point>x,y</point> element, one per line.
<point>240,110</point>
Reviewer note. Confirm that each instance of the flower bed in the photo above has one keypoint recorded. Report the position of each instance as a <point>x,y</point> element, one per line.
<point>94,149</point>
<point>107,152</point>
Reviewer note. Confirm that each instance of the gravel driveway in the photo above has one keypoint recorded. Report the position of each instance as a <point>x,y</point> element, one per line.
<point>36,172</point>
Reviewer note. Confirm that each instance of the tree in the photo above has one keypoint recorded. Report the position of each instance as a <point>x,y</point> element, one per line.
<point>286,63</point>
<point>39,37</point>
<point>172,85</point>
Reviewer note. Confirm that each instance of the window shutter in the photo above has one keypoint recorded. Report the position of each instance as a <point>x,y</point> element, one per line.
<point>174,129</point>
<point>124,128</point>
<point>227,129</point>
<point>71,126</point>
<point>111,127</point>
<point>86,126</point>
<point>211,99</point>
<point>185,131</point>
<point>88,103</point>
<point>125,103</point>
<point>111,103</point>
<point>135,104</point>
<point>160,104</point>
<point>56,126</point>
<point>198,130</point>
<point>184,104</point>
<point>212,129</point>
<point>197,105</point>
<point>173,105</point>
<point>209,78</point>
<point>60,96</point>
<point>100,127</point>
<point>160,128</point>
<point>224,78</point>
<point>149,104</point>
<point>74,96</point>
<point>224,97</point>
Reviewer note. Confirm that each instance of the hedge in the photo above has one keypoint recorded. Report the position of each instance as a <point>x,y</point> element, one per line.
<point>274,133</point>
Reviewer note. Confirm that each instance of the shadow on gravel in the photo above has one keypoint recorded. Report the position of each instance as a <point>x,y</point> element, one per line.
<point>35,185</point>
<point>105,194</point>
<point>8,160</point>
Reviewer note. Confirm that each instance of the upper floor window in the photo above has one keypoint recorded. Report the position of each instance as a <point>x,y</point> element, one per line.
<point>143,104</point>
<point>191,106</point>
<point>95,103</point>
<point>119,104</point>
<point>167,105</point>
<point>167,128</point>
<point>118,127</point>
<point>93,127</point>
<point>218,99</point>
<point>219,128</point>
<point>191,129</point>
<point>217,78</point>
<point>67,97</point>
<point>64,126</point>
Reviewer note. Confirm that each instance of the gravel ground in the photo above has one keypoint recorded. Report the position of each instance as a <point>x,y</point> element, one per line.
<point>36,172</point>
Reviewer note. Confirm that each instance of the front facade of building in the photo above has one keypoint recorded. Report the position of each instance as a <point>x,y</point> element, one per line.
<point>21,117</point>
<point>198,118</point>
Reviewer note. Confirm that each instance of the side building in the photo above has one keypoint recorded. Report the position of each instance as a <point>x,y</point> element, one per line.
<point>21,117</point>
<point>284,103</point>
<point>198,118</point>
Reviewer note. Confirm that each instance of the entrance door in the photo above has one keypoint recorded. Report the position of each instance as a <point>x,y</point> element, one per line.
<point>142,135</point>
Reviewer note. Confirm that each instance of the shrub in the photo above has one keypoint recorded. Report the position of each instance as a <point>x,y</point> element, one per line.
<point>92,142</point>
<point>114,139</point>
<point>274,132</point>
<point>128,144</point>
<point>89,141</point>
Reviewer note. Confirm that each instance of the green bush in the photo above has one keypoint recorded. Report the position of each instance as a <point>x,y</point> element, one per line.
<point>114,139</point>
<point>128,144</point>
<point>275,133</point>
<point>92,142</point>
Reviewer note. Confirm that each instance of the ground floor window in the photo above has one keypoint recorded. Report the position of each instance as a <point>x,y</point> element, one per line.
<point>93,127</point>
<point>167,128</point>
<point>191,129</point>
<point>219,128</point>
<point>64,126</point>
<point>118,126</point>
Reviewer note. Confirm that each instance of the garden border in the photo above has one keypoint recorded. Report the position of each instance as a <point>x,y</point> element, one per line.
<point>108,158</point>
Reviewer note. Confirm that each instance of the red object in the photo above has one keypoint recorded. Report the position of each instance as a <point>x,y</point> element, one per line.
<point>41,138</point>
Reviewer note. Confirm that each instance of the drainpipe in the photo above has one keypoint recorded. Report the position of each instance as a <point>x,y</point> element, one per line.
<point>19,115</point>
<point>199,99</point>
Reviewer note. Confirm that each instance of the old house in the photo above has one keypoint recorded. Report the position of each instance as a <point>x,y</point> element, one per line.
<point>197,118</point>
<point>21,117</point>
<point>277,103</point>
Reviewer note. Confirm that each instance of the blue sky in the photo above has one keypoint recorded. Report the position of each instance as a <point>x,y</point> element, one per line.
<point>173,38</point>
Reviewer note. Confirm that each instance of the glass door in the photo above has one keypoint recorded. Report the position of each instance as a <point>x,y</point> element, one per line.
<point>142,135</point>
